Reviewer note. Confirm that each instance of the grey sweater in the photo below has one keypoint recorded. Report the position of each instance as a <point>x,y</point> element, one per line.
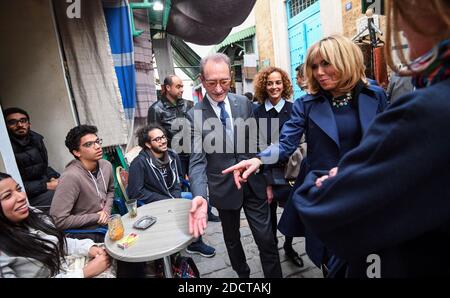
<point>80,195</point>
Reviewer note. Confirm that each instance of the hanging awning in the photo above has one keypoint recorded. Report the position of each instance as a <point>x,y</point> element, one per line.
<point>235,37</point>
<point>206,22</point>
<point>185,58</point>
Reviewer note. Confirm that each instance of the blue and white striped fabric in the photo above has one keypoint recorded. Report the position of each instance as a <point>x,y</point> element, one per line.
<point>121,42</point>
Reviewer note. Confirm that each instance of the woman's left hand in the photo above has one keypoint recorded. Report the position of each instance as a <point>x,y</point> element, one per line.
<point>331,173</point>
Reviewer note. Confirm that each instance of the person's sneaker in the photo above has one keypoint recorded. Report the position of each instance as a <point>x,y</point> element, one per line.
<point>213,218</point>
<point>201,248</point>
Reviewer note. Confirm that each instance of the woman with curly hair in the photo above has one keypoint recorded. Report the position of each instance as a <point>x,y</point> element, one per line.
<point>333,118</point>
<point>273,88</point>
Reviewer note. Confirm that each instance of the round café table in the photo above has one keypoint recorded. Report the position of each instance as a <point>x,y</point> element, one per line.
<point>170,233</point>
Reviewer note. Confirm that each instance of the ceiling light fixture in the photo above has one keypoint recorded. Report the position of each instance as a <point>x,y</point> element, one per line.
<point>158,6</point>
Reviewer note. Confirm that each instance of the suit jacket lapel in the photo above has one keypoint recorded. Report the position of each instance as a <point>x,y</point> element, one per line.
<point>234,106</point>
<point>235,113</point>
<point>284,115</point>
<point>322,115</point>
<point>207,109</point>
<point>368,107</point>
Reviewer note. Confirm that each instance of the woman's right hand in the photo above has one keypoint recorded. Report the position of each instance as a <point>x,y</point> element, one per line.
<point>242,170</point>
<point>96,266</point>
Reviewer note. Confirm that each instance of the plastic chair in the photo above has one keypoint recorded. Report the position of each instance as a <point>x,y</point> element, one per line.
<point>119,206</point>
<point>122,179</point>
<point>77,231</point>
<point>186,186</point>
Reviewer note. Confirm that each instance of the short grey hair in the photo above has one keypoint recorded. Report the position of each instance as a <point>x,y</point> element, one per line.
<point>216,57</point>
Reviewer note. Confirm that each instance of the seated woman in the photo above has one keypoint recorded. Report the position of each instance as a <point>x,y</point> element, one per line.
<point>31,246</point>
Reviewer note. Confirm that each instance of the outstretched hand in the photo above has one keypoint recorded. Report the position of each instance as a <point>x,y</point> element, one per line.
<point>198,216</point>
<point>242,170</point>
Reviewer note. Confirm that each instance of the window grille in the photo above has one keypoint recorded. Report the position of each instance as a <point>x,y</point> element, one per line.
<point>296,6</point>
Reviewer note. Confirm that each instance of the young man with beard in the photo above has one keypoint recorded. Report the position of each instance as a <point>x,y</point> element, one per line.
<point>84,197</point>
<point>170,107</point>
<point>155,175</point>
<point>39,179</point>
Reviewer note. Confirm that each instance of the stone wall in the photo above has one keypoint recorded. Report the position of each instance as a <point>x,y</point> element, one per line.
<point>350,17</point>
<point>264,35</point>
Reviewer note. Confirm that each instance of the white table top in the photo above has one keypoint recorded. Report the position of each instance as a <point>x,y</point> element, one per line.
<point>168,235</point>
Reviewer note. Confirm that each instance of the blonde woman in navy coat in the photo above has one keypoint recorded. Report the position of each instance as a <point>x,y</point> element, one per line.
<point>335,114</point>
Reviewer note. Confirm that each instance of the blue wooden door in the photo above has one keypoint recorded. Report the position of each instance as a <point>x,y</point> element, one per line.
<point>304,29</point>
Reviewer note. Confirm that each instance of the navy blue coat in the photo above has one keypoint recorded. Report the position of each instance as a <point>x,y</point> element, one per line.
<point>313,116</point>
<point>274,174</point>
<point>391,196</point>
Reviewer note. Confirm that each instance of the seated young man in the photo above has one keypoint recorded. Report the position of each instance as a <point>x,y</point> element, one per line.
<point>39,179</point>
<point>155,175</point>
<point>84,197</point>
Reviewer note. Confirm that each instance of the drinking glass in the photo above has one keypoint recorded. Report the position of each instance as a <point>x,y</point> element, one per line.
<point>115,227</point>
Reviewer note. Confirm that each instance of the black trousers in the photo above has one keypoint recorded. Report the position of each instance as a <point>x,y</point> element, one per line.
<point>258,216</point>
<point>280,197</point>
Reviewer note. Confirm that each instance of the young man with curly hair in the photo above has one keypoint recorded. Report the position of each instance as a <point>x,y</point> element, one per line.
<point>85,192</point>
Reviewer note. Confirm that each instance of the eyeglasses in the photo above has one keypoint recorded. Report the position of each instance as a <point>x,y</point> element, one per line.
<point>14,122</point>
<point>90,143</point>
<point>213,83</point>
<point>159,139</point>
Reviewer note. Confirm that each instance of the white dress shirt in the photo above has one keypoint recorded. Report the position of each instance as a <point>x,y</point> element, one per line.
<point>216,108</point>
<point>278,106</point>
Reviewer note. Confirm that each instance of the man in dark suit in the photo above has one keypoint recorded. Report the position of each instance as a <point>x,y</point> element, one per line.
<point>215,149</point>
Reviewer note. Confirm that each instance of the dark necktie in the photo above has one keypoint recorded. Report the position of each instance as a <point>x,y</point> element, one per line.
<point>225,119</point>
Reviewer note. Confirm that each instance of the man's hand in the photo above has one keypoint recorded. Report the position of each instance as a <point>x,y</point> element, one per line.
<point>198,216</point>
<point>242,170</point>
<point>269,192</point>
<point>103,219</point>
<point>331,173</point>
<point>52,184</point>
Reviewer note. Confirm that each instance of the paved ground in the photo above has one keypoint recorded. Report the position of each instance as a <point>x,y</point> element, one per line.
<point>219,265</point>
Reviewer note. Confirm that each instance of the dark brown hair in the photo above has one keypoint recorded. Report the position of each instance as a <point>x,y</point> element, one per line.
<point>261,82</point>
